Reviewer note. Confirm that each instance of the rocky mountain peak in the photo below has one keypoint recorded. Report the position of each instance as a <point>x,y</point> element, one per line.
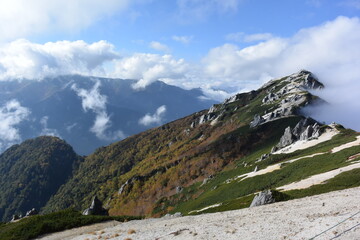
<point>279,98</point>
<point>286,95</point>
<point>303,79</point>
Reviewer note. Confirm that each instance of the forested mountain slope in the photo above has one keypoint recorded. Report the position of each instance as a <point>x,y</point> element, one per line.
<point>30,173</point>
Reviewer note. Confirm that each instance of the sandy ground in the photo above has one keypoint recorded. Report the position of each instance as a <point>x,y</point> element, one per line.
<point>347,145</point>
<point>70,234</point>
<point>269,169</point>
<point>317,179</point>
<point>297,219</point>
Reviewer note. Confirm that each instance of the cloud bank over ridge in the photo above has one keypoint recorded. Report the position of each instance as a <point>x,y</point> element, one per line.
<point>330,51</point>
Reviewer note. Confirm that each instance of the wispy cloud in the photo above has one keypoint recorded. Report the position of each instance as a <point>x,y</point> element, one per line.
<point>243,37</point>
<point>190,10</point>
<point>156,118</point>
<point>23,59</point>
<point>159,46</point>
<point>183,39</point>
<point>92,100</point>
<point>351,3</point>
<point>315,3</point>
<point>47,131</point>
<point>70,127</point>
<point>11,114</point>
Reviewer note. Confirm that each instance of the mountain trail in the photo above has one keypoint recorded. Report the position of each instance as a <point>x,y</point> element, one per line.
<point>347,145</point>
<point>317,179</point>
<point>270,168</point>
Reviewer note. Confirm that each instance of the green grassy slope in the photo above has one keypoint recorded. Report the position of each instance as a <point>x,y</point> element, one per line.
<point>237,194</point>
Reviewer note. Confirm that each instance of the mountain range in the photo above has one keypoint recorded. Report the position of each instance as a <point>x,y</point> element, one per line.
<point>89,112</point>
<point>212,160</point>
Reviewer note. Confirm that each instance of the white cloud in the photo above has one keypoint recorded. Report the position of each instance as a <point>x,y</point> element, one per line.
<point>237,37</point>
<point>23,59</point>
<point>156,118</point>
<point>330,50</point>
<point>70,127</point>
<point>242,37</point>
<point>94,101</point>
<point>257,37</point>
<point>159,46</point>
<point>91,99</point>
<point>11,114</point>
<point>215,94</point>
<point>21,18</point>
<point>190,10</point>
<point>183,39</point>
<point>149,68</point>
<point>47,131</point>
<point>247,68</point>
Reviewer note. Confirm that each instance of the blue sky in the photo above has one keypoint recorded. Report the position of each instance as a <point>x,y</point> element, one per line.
<point>220,46</point>
<point>206,24</point>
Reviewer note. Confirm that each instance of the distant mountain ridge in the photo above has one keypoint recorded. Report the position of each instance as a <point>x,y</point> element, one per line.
<point>89,112</point>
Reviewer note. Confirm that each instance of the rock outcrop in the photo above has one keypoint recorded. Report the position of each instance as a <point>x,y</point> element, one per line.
<point>286,139</point>
<point>306,129</point>
<point>262,158</point>
<point>15,218</point>
<point>257,121</point>
<point>207,117</point>
<point>175,215</point>
<point>178,189</point>
<point>96,208</point>
<point>264,197</point>
<point>31,212</point>
<point>311,131</point>
<point>122,188</point>
<point>206,180</point>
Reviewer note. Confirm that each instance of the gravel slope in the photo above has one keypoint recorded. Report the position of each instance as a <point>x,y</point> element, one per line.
<point>297,219</point>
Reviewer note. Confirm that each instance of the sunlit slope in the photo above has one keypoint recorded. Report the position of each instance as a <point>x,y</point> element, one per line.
<point>191,163</point>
